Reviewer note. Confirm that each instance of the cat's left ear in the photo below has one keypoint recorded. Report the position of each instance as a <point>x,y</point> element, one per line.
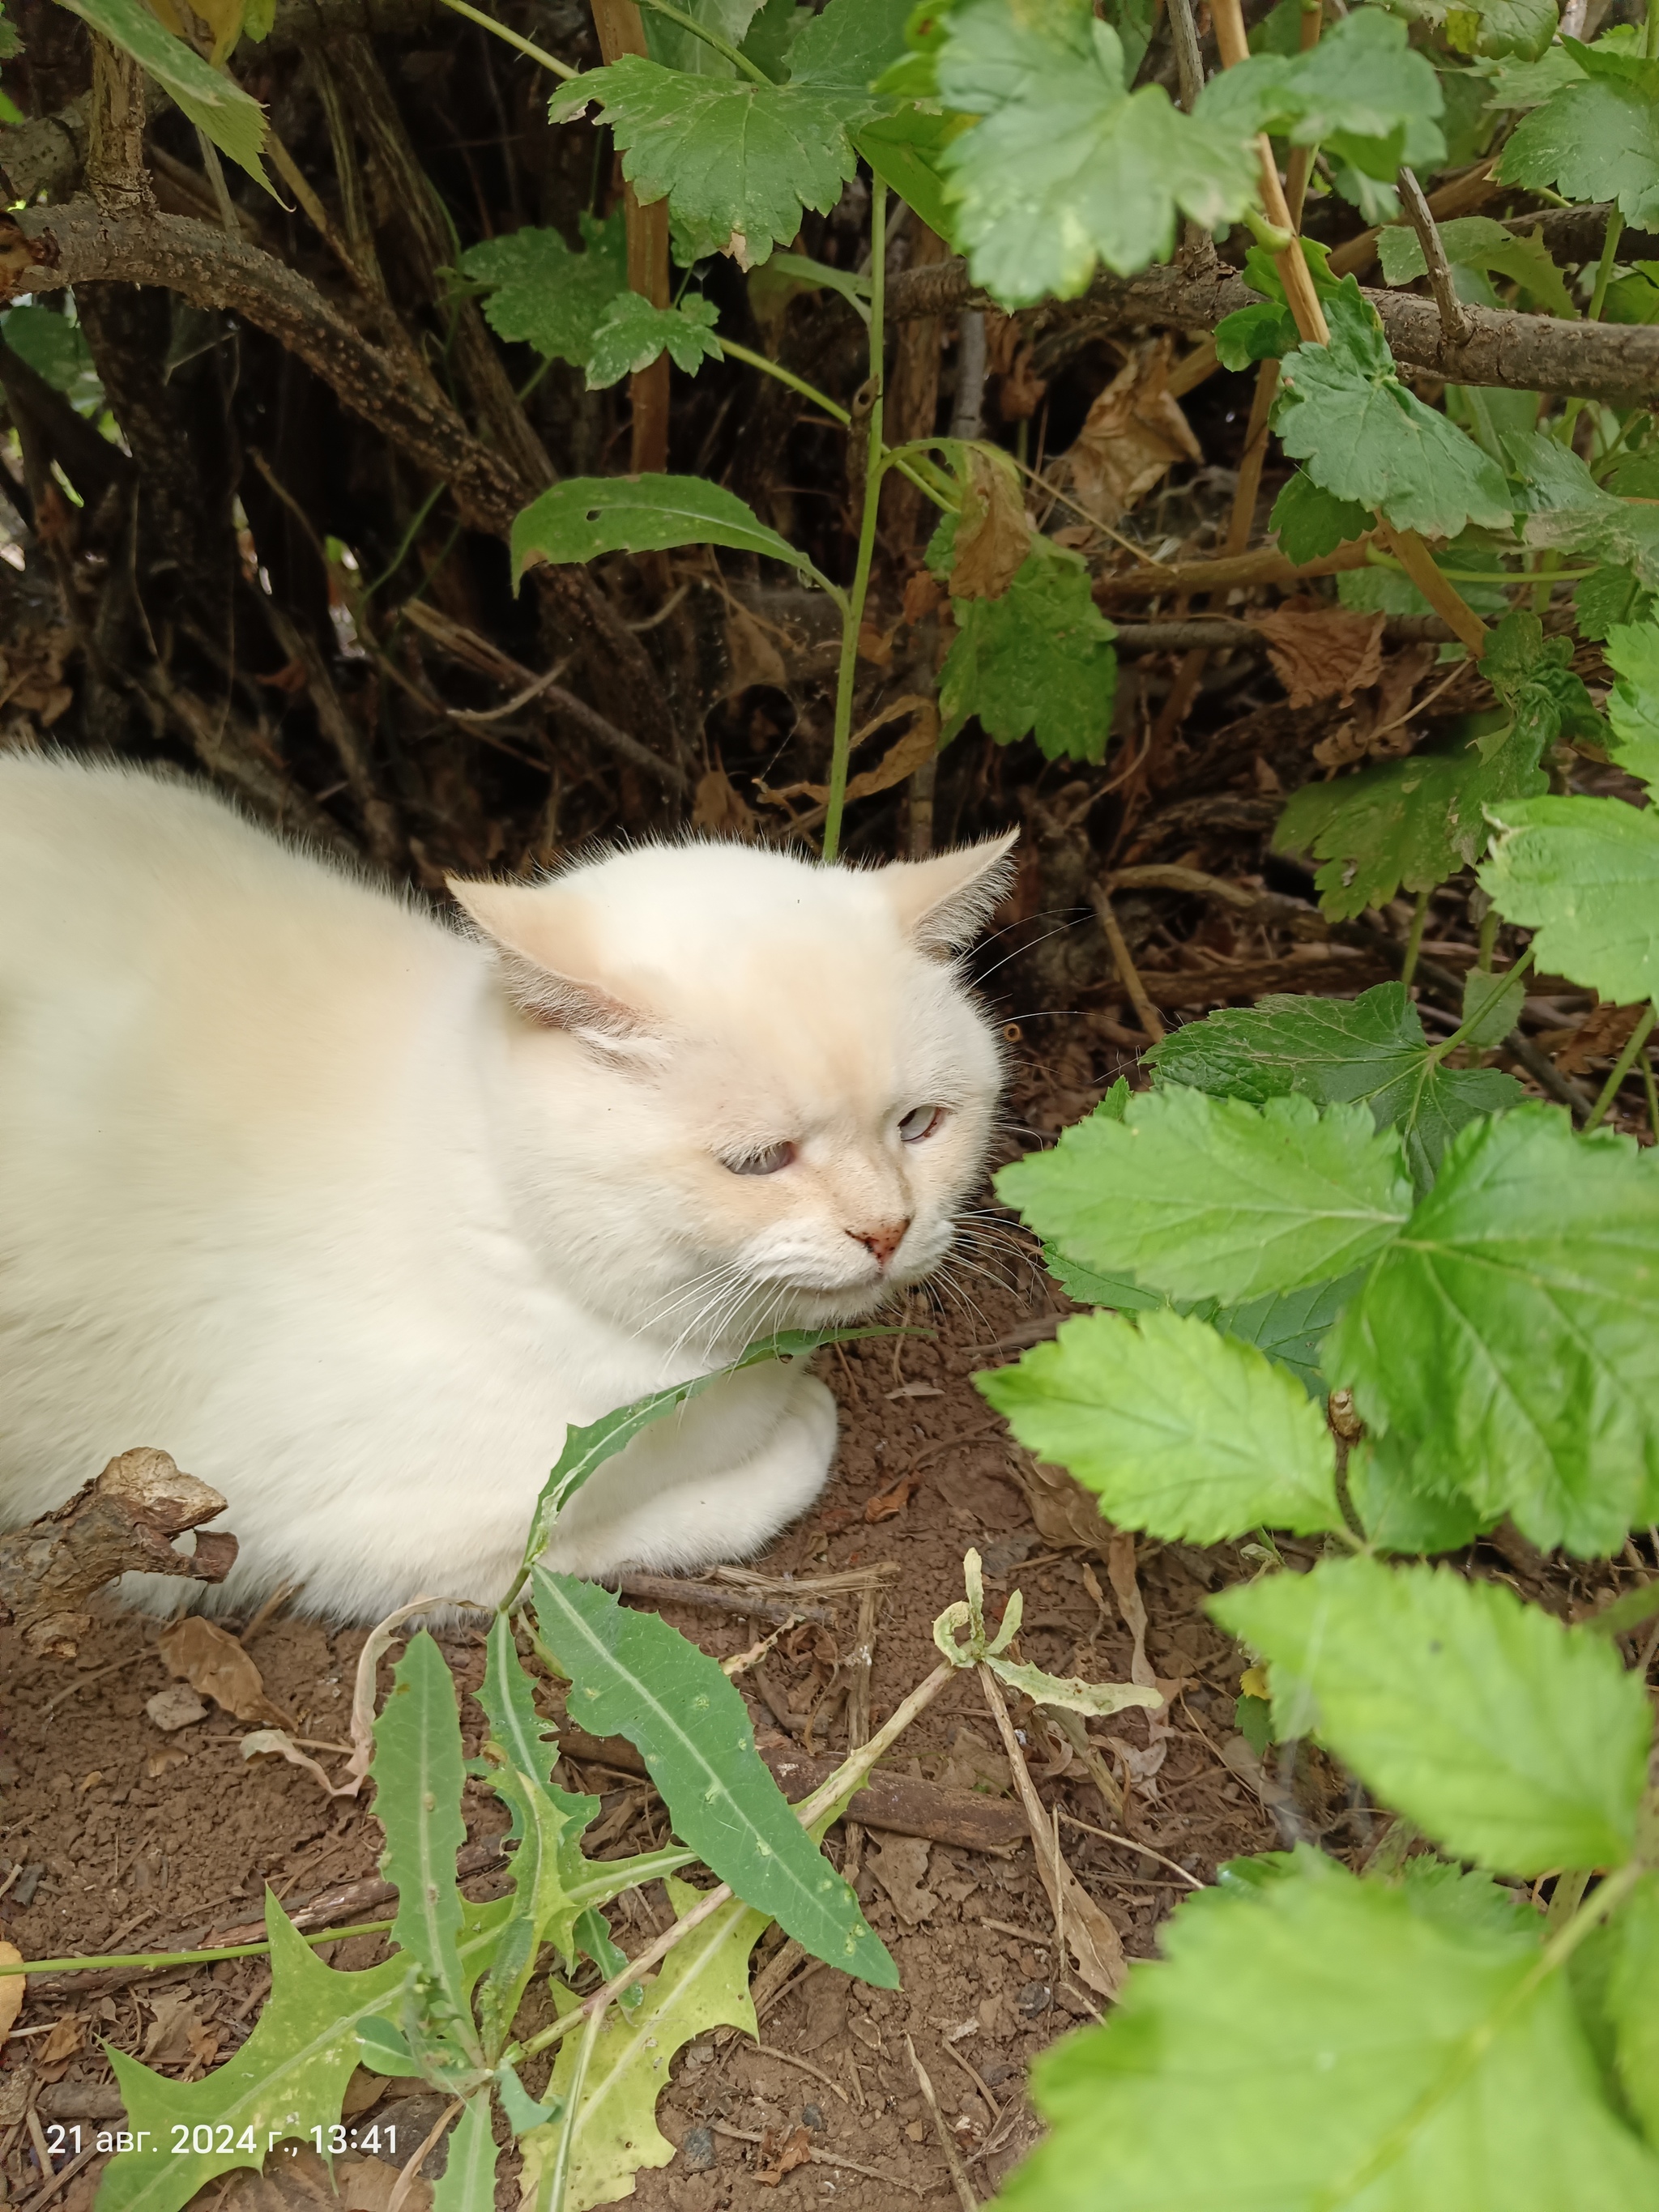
<point>944,902</point>
<point>544,939</point>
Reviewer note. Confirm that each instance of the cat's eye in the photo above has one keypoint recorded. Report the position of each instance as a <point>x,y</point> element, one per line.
<point>766,1162</point>
<point>922,1121</point>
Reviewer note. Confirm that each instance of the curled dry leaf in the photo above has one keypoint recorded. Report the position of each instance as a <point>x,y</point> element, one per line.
<point>887,1505</point>
<point>782,2153</point>
<point>1131,437</point>
<point>901,1867</point>
<point>914,750</point>
<point>1322,653</point>
<point>213,1662</point>
<point>13,1989</point>
<point>719,808</point>
<point>1382,726</point>
<point>992,534</point>
<point>1602,1036</point>
<point>279,1744</point>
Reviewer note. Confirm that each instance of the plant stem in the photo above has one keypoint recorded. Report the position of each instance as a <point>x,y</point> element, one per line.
<point>1500,980</point>
<point>1621,1068</point>
<point>853,614</point>
<point>524,45</point>
<point>1415,937</point>
<point>155,1962</point>
<point>894,457</point>
<point>559,2181</point>
<point>741,62</point>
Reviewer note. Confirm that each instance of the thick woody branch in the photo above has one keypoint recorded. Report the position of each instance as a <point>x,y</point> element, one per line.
<point>1519,353</point>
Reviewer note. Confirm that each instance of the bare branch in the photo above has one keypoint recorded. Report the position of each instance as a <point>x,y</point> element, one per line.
<point>1454,316</point>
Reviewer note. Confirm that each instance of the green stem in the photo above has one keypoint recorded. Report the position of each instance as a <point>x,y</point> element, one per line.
<point>407,540</point>
<point>1621,1068</point>
<point>894,457</point>
<point>1652,1089</point>
<point>155,1962</point>
<point>739,61</point>
<point>1415,937</point>
<point>1490,924</point>
<point>1374,558</point>
<point>1500,983</point>
<point>853,615</point>
<point>1651,33</point>
<point>524,45</point>
<point>559,2180</point>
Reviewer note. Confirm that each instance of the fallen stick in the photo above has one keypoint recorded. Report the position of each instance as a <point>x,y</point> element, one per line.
<point>676,1589</point>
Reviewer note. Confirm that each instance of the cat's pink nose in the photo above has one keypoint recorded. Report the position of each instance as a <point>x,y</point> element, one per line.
<point>881,1243</point>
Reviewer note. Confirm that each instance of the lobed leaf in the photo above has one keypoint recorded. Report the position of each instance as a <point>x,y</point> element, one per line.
<point>1509,1337</point>
<point>1317,2042</point>
<point>542,294</point>
<point>1206,1197</point>
<point>1632,651</point>
<point>1036,661</point>
<point>467,2182</point>
<point>1311,522</point>
<point>1361,92</point>
<point>233,121</point>
<point>1584,875</point>
<point>631,334</point>
<point>1596,138</point>
<point>1177,1429</point>
<point>1508,1738</point>
<point>633,1675</point>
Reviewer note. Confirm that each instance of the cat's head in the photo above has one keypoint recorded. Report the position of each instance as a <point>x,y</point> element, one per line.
<point>752,1090</point>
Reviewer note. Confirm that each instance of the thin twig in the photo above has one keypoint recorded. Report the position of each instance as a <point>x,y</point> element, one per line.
<point>1129,1844</point>
<point>1621,1068</point>
<point>1127,974</point>
<point>1454,316</point>
<point>959,2180</point>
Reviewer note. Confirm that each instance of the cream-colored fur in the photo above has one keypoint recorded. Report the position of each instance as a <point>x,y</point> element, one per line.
<point>353,1212</point>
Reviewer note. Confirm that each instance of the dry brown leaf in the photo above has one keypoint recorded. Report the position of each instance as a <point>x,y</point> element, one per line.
<point>1131,436</point>
<point>1382,726</point>
<point>1020,393</point>
<point>971,1763</point>
<point>290,678</point>
<point>782,2155</point>
<point>1602,1036</point>
<point>992,534</point>
<point>204,2042</point>
<point>1063,1510</point>
<point>888,1505</point>
<point>158,1763</point>
<point>67,2037</point>
<point>719,807</point>
<point>1321,652</point>
<point>922,593</point>
<point>1120,1572</point>
<point>901,1867</point>
<point>876,645</point>
<point>170,2030</point>
<point>914,750</point>
<point>367,2184</point>
<point>13,1989</point>
<point>212,1661</point>
<point>751,655</point>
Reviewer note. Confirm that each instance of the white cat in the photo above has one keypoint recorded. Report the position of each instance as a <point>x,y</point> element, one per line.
<point>353,1213</point>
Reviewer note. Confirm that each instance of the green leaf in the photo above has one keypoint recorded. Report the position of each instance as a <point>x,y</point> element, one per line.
<point>11,46</point>
<point>1310,523</point>
<point>847,45</point>
<point>1361,92</point>
<point>1314,2042</point>
<point>1064,168</point>
<point>1510,1739</point>
<point>1476,241</point>
<point>1086,1286</point>
<point>632,333</point>
<point>905,151</point>
<point>1491,1007</point>
<point>1594,139</point>
<point>55,348</point>
<point>1290,1328</point>
<point>1565,510</point>
<point>235,123</point>
<point>1523,28</point>
<point>703,1984</point>
<point>517,1732</point>
<point>1533,676</point>
<point>1632,2002</point>
<point>1632,652</point>
<point>587,516</point>
<point>418,1773</point>
<point>1583,873</point>
<point>1342,1051</point>
<point>1610,597</point>
<point>1038,661</point>
<point>545,296</point>
<point>1366,438</point>
<point>1177,1429</point>
<point>634,1676</point>
<point>1205,1197</point>
<point>288,2077</point>
<point>1509,1338</point>
<point>467,2182</point>
<point>679,48</point>
<point>1397,1513</point>
<point>1405,826</point>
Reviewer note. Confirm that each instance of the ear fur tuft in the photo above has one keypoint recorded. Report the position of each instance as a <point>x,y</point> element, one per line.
<point>539,934</point>
<point>943,903</point>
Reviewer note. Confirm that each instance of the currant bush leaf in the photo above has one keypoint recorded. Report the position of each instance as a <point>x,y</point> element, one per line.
<point>544,295</point>
<point>1564,509</point>
<point>1311,523</point>
<point>1370,1050</point>
<point>680,48</point>
<point>1177,1429</point>
<point>1594,139</point>
<point>1038,661</point>
<point>1397,1511</point>
<point>587,516</point>
<point>1632,652</point>
<point>1064,168</point>
<point>288,2077</point>
<point>1339,2043</point>
<point>1476,241</point>
<point>1583,874</point>
<point>631,334</point>
<point>634,1676</point>
<point>1632,2002</point>
<point>1203,1197</point>
<point>1509,1338</point>
<point>1361,92</point>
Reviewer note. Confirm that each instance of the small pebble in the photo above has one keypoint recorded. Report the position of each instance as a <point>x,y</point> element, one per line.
<point>697,2151</point>
<point>813,2117</point>
<point>1033,1997</point>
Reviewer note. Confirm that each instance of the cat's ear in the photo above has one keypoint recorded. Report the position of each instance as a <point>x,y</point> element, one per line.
<point>543,938</point>
<point>944,902</point>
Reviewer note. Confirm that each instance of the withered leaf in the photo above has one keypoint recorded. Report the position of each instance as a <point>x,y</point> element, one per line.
<point>13,1989</point>
<point>719,807</point>
<point>993,535</point>
<point>1322,652</point>
<point>901,1867</point>
<point>1131,436</point>
<point>888,1503</point>
<point>782,2155</point>
<point>212,1661</point>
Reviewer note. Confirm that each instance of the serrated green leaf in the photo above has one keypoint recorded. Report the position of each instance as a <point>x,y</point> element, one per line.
<point>678,47</point>
<point>737,162</point>
<point>633,1675</point>
<point>1407,825</point>
<point>847,46</point>
<point>1038,662</point>
<point>1596,138</point>
<point>587,516</point>
<point>545,296</point>
<point>1632,2002</point>
<point>1610,598</point>
<point>631,334</point>
<point>1315,2043</point>
<point>1509,1338</point>
<point>1477,241</point>
<point>1064,168</point>
<point>1370,1050</point>
<point>1177,1429</point>
<point>467,2182</point>
<point>1502,28</point>
<point>1290,1328</point>
<point>1583,874</point>
<point>1633,703</point>
<point>418,1773</point>
<point>517,1732</point>
<point>1510,1739</point>
<point>904,150</point>
<point>1491,1007</point>
<point>1361,92</point>
<point>1311,523</point>
<point>1265,331</point>
<point>703,1984</point>
<point>232,119</point>
<point>1564,509</point>
<point>1204,1197</point>
<point>1397,1512</point>
<point>1366,437</point>
<point>55,348</point>
<point>1086,1286</point>
<point>288,2077</point>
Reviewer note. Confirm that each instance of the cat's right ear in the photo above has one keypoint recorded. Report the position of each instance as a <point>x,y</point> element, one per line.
<point>542,937</point>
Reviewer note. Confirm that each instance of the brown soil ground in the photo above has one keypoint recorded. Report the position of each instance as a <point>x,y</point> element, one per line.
<point>113,1835</point>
